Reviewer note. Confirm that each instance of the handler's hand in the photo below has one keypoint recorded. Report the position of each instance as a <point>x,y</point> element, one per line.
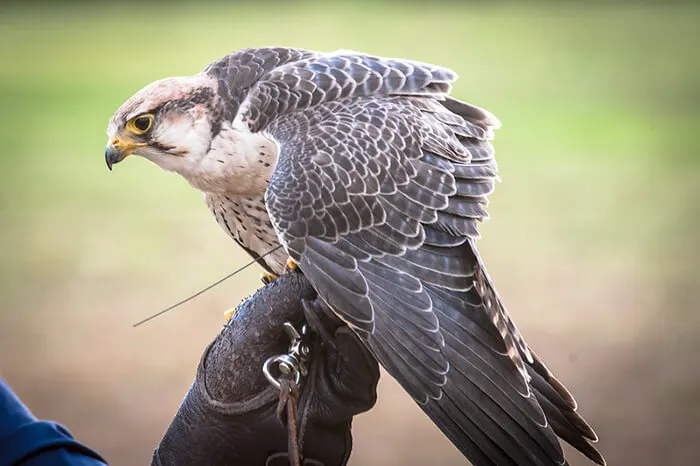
<point>229,415</point>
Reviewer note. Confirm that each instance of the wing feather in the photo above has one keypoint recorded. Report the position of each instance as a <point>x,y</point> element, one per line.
<point>381,181</point>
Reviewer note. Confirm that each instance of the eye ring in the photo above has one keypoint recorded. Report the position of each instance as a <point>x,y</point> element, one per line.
<point>140,124</point>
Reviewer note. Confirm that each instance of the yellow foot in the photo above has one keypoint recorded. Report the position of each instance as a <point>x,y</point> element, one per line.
<point>229,313</point>
<point>291,265</point>
<point>267,277</point>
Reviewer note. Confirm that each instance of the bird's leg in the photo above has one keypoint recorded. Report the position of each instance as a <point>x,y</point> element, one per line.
<point>229,313</point>
<point>291,265</point>
<point>268,277</point>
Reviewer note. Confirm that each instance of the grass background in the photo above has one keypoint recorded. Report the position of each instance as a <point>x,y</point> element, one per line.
<point>593,241</point>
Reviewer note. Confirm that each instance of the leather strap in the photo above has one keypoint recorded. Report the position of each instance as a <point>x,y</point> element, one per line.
<point>289,401</point>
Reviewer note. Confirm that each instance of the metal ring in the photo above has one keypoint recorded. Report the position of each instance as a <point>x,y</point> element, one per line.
<point>282,360</point>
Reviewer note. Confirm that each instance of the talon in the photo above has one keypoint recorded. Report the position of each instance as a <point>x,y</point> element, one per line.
<point>267,277</point>
<point>228,314</point>
<point>291,265</point>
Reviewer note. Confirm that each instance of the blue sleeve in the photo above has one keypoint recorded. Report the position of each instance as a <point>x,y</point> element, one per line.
<point>26,441</point>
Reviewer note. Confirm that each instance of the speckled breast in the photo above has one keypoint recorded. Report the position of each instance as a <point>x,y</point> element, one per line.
<point>246,220</point>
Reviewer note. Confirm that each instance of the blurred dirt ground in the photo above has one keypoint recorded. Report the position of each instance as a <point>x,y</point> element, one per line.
<point>593,242</point>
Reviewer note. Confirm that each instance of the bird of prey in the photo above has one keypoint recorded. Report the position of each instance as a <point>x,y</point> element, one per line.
<point>373,179</point>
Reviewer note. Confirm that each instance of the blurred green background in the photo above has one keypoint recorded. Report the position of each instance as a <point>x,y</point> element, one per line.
<point>593,241</point>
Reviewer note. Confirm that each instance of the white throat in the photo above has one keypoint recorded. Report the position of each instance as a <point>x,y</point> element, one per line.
<point>238,162</point>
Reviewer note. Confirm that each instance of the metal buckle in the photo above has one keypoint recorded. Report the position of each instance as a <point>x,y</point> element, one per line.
<point>292,364</point>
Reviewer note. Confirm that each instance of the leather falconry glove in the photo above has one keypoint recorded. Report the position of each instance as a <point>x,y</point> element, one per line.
<point>233,415</point>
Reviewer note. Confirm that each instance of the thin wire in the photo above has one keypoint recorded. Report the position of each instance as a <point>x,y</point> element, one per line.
<point>191,297</point>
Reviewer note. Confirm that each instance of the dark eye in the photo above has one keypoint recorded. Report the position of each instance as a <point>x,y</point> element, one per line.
<point>141,123</point>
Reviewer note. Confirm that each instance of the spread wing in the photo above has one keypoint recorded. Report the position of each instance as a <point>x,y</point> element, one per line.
<point>380,183</point>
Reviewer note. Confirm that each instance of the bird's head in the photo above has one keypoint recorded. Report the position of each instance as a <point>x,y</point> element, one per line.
<point>169,122</point>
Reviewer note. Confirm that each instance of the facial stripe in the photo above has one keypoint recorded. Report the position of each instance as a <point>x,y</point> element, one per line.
<point>168,148</point>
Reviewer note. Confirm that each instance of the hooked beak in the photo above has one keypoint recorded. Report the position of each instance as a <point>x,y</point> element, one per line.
<point>118,149</point>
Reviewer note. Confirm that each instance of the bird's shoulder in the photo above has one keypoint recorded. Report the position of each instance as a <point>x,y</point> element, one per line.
<point>258,85</point>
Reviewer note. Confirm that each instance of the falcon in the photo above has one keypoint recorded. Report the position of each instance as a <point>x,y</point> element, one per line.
<point>373,180</point>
